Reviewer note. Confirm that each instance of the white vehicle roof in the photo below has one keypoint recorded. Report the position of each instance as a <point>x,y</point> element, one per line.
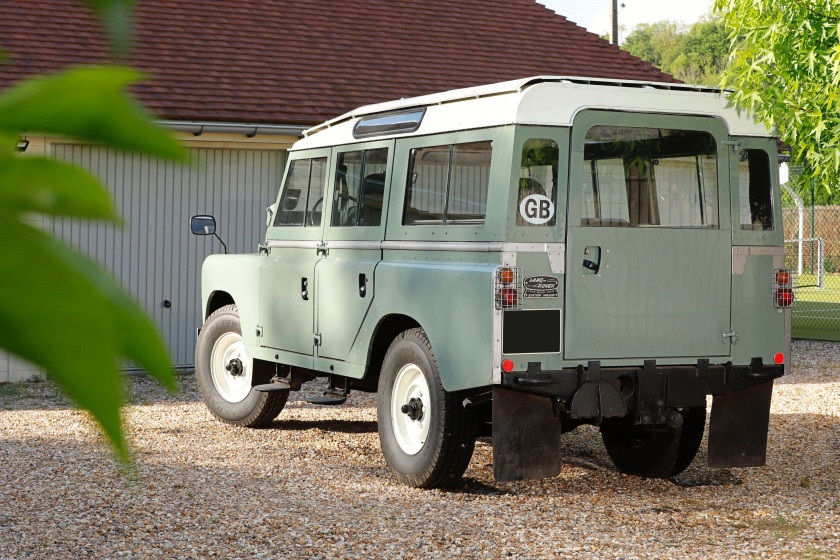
<point>539,100</point>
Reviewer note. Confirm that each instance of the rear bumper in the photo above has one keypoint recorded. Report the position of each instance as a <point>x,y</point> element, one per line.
<point>532,408</point>
<point>592,392</point>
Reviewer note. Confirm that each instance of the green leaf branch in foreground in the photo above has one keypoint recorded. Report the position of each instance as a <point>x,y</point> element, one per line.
<point>58,309</point>
<point>785,70</point>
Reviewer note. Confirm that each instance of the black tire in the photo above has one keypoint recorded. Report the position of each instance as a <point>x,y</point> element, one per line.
<point>255,409</point>
<point>654,452</point>
<point>447,448</point>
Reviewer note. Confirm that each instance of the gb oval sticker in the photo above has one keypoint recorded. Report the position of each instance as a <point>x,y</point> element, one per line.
<point>536,209</point>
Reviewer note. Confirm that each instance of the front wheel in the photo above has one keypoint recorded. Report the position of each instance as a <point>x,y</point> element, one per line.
<point>226,374</point>
<point>427,436</point>
<point>654,451</point>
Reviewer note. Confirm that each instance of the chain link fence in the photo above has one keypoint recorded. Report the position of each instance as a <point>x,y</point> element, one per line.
<point>812,253</point>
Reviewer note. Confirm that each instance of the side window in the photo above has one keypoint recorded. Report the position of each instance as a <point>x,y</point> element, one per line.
<point>447,185</point>
<point>303,194</point>
<point>538,183</point>
<point>359,188</point>
<point>755,191</point>
<point>642,177</point>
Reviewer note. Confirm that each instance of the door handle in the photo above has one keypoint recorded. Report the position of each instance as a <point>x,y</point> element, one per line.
<point>593,266</point>
<point>362,285</point>
<point>592,258</point>
<point>304,288</point>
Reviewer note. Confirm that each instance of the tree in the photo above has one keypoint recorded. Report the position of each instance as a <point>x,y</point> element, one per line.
<point>655,42</point>
<point>57,308</point>
<point>785,70</point>
<point>703,54</point>
<point>694,54</point>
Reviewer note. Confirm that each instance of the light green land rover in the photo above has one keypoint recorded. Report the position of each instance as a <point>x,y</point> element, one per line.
<point>514,261</point>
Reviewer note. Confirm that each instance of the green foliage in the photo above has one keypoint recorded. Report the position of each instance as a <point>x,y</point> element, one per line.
<point>694,54</point>
<point>85,103</point>
<point>58,309</point>
<point>115,18</point>
<point>785,70</point>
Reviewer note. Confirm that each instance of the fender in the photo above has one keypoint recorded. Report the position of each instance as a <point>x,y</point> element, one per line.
<point>239,276</point>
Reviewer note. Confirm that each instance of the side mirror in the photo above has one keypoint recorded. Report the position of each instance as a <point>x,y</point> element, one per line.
<point>269,214</point>
<point>203,225</point>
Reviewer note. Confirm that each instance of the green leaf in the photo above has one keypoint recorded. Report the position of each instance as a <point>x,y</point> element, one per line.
<point>35,184</point>
<point>89,104</point>
<point>115,18</point>
<point>61,312</point>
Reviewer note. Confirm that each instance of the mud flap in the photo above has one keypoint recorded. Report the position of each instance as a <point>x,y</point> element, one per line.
<point>526,436</point>
<point>738,427</point>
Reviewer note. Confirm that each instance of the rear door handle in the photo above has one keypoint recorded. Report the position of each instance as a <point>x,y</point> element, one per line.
<point>304,288</point>
<point>592,258</point>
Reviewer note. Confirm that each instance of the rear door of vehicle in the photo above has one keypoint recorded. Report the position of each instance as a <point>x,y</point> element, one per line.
<point>648,256</point>
<point>353,236</point>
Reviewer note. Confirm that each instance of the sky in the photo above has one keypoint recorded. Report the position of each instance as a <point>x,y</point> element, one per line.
<point>594,15</point>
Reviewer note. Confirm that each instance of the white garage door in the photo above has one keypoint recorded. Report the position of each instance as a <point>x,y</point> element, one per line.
<point>154,256</point>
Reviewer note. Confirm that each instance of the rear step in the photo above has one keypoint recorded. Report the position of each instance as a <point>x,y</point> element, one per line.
<point>334,395</point>
<point>328,399</point>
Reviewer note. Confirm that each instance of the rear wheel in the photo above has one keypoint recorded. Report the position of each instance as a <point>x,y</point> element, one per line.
<point>226,374</point>
<point>654,451</point>
<point>427,435</point>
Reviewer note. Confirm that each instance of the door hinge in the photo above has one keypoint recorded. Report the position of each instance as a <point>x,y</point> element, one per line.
<point>259,331</point>
<point>317,339</point>
<point>732,336</point>
<point>734,143</point>
<point>322,249</point>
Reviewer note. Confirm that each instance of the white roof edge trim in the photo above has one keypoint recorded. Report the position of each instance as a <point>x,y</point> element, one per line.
<point>500,88</point>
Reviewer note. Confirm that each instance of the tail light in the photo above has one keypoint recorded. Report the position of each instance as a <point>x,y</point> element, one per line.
<point>782,288</point>
<point>506,287</point>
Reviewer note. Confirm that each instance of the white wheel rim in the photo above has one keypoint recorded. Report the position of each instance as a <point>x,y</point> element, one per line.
<point>227,349</point>
<point>411,433</point>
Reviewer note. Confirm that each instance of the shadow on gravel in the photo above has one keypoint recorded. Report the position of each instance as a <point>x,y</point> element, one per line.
<point>475,487</point>
<point>340,426</point>
<point>706,476</point>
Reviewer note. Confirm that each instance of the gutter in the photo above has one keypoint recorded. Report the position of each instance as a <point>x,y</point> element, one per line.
<point>249,130</point>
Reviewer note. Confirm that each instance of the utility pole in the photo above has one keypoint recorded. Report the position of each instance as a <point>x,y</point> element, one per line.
<point>615,22</point>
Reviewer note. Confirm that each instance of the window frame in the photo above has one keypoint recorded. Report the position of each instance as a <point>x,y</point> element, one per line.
<point>495,214</point>
<point>755,237</point>
<point>360,233</point>
<point>652,198</point>
<point>451,163</point>
<point>585,120</point>
<point>300,232</point>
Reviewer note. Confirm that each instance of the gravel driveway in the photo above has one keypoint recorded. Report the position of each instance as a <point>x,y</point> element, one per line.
<point>315,485</point>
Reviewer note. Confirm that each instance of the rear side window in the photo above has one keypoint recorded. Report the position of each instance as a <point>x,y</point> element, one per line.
<point>303,194</point>
<point>447,185</point>
<point>755,191</point>
<point>359,188</point>
<point>643,177</point>
<point>538,183</point>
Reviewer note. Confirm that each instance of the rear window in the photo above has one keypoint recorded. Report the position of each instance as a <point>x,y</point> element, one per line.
<point>447,185</point>
<point>538,183</point>
<point>755,191</point>
<point>649,177</point>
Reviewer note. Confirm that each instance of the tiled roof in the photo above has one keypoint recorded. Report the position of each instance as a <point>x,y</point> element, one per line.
<point>305,61</point>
